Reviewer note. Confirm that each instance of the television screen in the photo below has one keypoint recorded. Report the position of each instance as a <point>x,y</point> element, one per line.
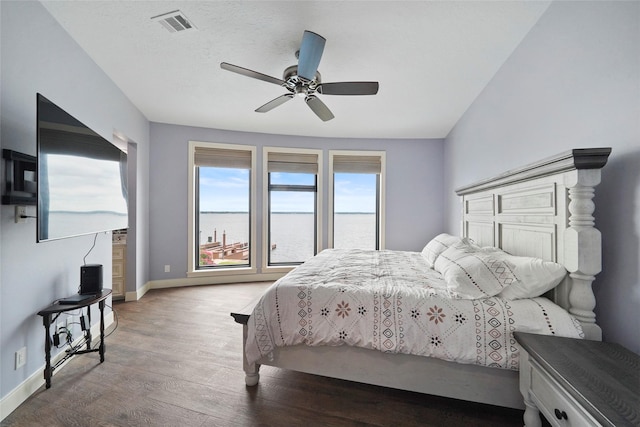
<point>82,177</point>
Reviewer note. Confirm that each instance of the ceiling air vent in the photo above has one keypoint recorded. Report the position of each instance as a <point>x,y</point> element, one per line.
<point>174,21</point>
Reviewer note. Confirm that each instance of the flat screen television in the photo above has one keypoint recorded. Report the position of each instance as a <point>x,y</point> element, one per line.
<point>81,177</point>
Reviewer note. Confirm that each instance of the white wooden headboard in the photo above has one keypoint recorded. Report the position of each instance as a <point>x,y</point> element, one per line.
<point>545,210</point>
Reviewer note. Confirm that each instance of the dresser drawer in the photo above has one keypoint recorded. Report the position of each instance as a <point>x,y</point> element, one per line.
<point>117,287</point>
<point>118,252</point>
<point>559,408</point>
<point>117,270</point>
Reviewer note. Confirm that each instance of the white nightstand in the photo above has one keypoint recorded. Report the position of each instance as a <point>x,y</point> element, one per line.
<point>578,382</point>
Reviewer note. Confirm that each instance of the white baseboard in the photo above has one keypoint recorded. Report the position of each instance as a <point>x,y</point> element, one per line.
<point>211,280</point>
<point>22,392</point>
<point>199,281</point>
<point>138,293</point>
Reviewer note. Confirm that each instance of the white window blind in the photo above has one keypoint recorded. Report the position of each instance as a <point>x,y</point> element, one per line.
<point>356,164</point>
<point>293,162</point>
<point>222,157</point>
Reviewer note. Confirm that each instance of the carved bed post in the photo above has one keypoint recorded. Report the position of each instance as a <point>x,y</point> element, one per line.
<point>583,266</point>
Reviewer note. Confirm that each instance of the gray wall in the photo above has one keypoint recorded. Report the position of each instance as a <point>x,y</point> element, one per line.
<point>573,82</point>
<point>414,212</point>
<point>39,56</point>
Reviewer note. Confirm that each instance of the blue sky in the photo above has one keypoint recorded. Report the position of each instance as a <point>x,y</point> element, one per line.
<point>355,192</point>
<point>224,190</point>
<point>227,190</point>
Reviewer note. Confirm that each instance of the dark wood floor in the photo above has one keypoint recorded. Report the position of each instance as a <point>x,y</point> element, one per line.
<point>175,360</point>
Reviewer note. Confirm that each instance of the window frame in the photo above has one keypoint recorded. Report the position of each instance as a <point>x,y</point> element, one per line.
<point>193,210</point>
<point>266,209</point>
<point>380,196</point>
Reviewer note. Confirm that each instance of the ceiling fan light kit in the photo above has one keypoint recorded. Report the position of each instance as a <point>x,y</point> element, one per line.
<point>304,79</point>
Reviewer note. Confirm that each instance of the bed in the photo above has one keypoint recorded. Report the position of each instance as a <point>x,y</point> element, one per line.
<point>541,213</point>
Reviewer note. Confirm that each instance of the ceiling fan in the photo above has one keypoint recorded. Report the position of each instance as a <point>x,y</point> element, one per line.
<point>304,79</point>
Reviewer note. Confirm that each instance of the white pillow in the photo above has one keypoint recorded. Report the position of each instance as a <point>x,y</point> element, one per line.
<point>473,273</point>
<point>536,277</point>
<point>439,244</point>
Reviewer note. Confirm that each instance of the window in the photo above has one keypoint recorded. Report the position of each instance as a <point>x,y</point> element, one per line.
<point>292,206</point>
<point>356,199</point>
<point>222,219</point>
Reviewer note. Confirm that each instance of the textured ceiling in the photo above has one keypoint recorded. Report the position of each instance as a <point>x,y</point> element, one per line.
<point>431,58</point>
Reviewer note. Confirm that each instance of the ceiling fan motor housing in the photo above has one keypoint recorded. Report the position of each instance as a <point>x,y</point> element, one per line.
<point>290,76</point>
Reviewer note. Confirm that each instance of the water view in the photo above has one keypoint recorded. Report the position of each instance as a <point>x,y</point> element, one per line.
<point>292,237</point>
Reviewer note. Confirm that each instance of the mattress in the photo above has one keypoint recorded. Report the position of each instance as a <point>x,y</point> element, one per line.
<point>392,301</point>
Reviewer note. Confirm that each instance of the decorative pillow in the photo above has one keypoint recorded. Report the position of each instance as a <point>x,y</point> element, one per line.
<point>473,273</point>
<point>536,277</point>
<point>439,244</point>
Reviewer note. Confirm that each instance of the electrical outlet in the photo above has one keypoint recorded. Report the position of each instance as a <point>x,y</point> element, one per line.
<point>21,357</point>
<point>21,213</point>
<point>167,268</point>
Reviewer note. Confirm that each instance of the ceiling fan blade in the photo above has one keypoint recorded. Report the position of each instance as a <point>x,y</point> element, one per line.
<point>319,108</point>
<point>275,103</point>
<point>250,73</point>
<point>348,88</point>
<point>311,50</point>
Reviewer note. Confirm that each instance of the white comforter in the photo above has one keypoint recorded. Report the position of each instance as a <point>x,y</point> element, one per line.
<point>393,302</point>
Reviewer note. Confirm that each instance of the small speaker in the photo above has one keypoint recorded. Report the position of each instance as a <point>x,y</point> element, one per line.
<point>91,279</point>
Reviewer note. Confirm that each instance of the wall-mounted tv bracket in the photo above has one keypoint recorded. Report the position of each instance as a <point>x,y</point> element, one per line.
<point>20,178</point>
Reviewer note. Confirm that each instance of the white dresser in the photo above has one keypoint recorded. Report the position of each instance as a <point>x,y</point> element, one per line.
<point>119,266</point>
